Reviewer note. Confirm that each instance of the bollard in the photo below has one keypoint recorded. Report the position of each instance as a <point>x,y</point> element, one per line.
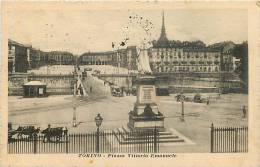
<point>155,141</point>
<point>35,143</point>
<point>67,144</point>
<point>97,140</point>
<point>212,138</point>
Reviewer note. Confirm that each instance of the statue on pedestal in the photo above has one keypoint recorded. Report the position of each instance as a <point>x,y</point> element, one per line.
<point>145,114</point>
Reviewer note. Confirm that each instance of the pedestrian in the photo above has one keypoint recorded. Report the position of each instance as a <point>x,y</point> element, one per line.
<point>244,111</point>
<point>81,91</point>
<point>208,100</point>
<point>90,89</point>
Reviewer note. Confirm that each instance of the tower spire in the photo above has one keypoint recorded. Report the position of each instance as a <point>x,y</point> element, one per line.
<point>163,40</point>
<point>163,36</point>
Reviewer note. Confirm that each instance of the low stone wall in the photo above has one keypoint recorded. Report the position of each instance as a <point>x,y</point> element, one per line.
<point>56,84</point>
<point>18,91</point>
<point>15,91</point>
<point>227,75</point>
<point>176,89</point>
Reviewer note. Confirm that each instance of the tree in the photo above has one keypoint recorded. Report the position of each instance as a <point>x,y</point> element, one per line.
<point>240,51</point>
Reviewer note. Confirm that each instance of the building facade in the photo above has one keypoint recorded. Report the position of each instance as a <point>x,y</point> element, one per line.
<point>18,56</point>
<point>96,58</point>
<point>167,56</point>
<point>184,60</point>
<point>23,57</point>
<point>61,58</point>
<point>119,58</point>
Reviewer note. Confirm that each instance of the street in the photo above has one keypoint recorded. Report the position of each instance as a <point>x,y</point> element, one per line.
<point>58,111</point>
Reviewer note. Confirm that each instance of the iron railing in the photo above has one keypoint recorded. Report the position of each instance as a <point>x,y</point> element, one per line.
<point>229,139</point>
<point>102,142</point>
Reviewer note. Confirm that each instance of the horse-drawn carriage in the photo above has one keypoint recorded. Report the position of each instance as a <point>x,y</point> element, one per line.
<point>23,132</point>
<point>117,92</point>
<point>54,134</point>
<point>196,99</point>
<point>29,132</point>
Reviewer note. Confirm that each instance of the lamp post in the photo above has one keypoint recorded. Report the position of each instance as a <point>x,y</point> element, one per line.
<point>182,107</point>
<point>98,120</point>
<point>74,124</point>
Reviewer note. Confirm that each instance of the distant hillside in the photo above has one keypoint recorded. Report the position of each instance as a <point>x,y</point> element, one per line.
<point>223,46</point>
<point>184,44</point>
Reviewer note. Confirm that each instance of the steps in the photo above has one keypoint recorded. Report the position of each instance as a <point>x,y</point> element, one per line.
<point>125,136</point>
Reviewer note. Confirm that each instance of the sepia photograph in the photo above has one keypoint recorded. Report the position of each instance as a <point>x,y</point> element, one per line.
<point>126,81</point>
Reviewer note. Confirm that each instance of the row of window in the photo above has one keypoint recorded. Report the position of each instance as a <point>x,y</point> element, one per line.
<point>188,54</point>
<point>166,50</point>
<point>61,57</point>
<point>96,63</point>
<point>184,57</point>
<point>198,69</point>
<point>187,62</point>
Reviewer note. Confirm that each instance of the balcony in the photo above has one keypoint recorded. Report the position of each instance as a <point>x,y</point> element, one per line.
<point>166,63</point>
<point>216,62</point>
<point>209,62</point>
<point>192,62</point>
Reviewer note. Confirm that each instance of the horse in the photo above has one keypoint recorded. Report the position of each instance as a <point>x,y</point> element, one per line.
<point>29,131</point>
<point>55,133</point>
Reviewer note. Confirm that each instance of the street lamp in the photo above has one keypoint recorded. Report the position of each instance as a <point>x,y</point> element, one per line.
<point>74,117</point>
<point>182,107</point>
<point>98,120</point>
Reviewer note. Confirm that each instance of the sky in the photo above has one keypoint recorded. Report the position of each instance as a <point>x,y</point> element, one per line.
<point>80,31</point>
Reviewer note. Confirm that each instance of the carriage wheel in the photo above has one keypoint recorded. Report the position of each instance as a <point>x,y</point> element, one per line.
<point>20,136</point>
<point>44,139</point>
<point>58,138</point>
<point>9,138</point>
<point>30,137</point>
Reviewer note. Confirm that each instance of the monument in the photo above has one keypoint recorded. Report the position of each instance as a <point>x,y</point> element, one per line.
<point>145,114</point>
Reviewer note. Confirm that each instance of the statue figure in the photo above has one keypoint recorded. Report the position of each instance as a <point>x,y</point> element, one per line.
<point>143,61</point>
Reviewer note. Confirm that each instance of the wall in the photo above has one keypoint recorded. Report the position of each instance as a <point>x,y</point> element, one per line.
<point>56,84</point>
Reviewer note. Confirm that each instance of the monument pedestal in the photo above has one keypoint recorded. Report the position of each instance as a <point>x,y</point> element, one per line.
<point>146,115</point>
<point>145,121</point>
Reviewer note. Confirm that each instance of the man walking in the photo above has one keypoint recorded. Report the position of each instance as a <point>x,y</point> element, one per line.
<point>244,111</point>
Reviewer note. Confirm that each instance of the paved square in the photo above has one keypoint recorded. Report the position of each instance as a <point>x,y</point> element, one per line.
<point>58,111</point>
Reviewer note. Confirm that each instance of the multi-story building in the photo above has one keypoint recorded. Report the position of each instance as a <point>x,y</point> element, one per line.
<point>61,58</point>
<point>171,56</point>
<point>18,57</point>
<point>118,58</point>
<point>22,57</point>
<point>96,58</point>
